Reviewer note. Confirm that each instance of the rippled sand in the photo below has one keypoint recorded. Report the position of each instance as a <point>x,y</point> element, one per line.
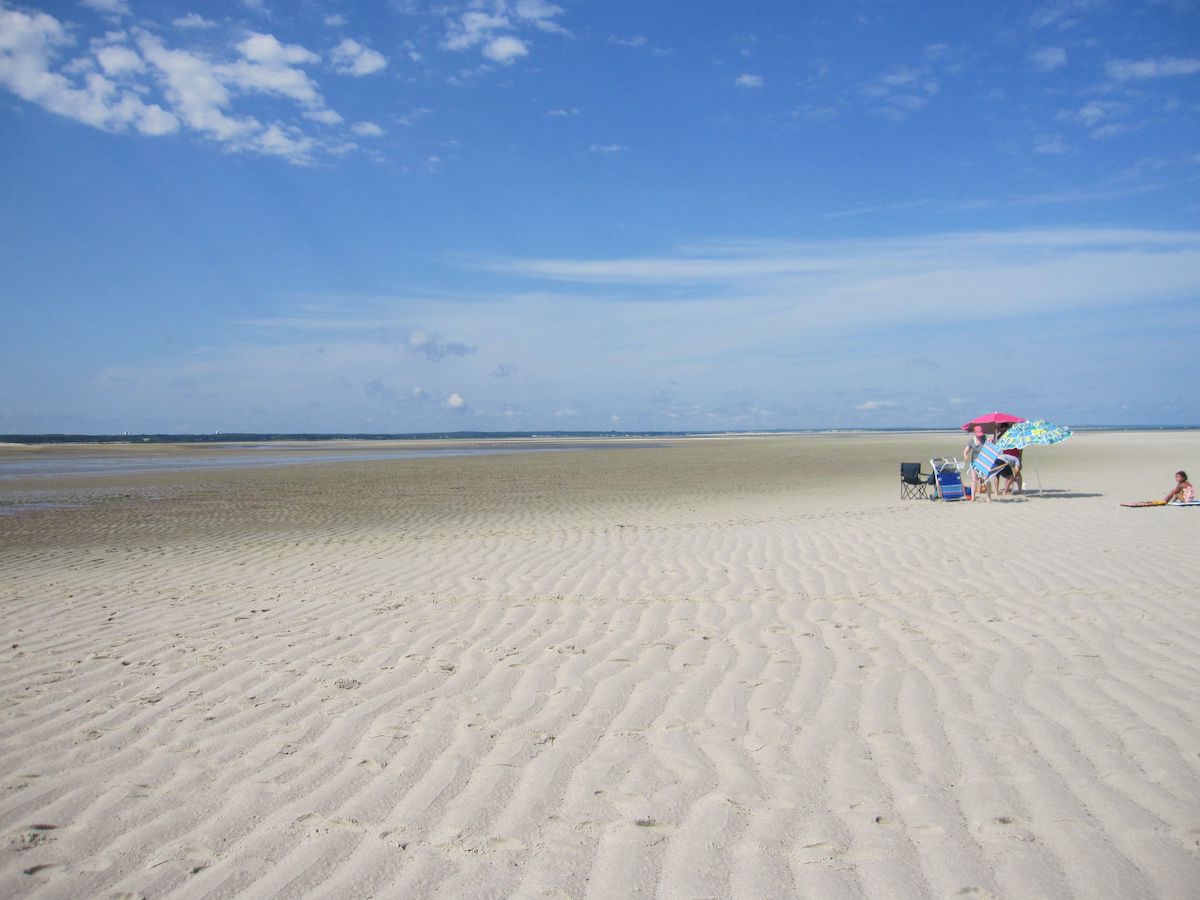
<point>729,667</point>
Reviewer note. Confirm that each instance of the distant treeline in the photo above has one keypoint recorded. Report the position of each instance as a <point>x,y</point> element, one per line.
<point>233,437</point>
<point>229,437</point>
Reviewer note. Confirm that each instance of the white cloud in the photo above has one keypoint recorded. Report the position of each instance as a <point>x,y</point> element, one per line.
<point>742,327</point>
<point>606,148</point>
<point>194,20</point>
<point>279,140</point>
<point>505,49</point>
<point>563,113</point>
<point>268,66</point>
<point>28,44</point>
<point>119,60</point>
<point>638,40</point>
<point>108,7</point>
<point>541,14</point>
<point>336,20</point>
<point>869,405</point>
<point>472,29</point>
<point>195,92</point>
<point>198,89</point>
<point>1054,145</point>
<point>749,81</point>
<point>1047,59</point>
<point>1111,130</point>
<point>455,401</point>
<point>495,27</point>
<point>842,284</point>
<point>367,129</point>
<point>1093,112</point>
<point>1141,70</point>
<point>903,90</point>
<point>266,50</point>
<point>324,116</point>
<point>352,58</point>
<point>1063,14</point>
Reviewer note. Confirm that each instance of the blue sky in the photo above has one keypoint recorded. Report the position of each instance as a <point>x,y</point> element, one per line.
<point>526,215</point>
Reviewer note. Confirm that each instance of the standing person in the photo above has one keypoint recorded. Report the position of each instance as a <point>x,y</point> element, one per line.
<point>973,446</point>
<point>977,440</point>
<point>1183,490</point>
<point>979,484</point>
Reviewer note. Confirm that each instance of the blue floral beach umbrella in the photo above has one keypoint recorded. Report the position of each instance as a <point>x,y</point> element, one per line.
<point>1038,432</point>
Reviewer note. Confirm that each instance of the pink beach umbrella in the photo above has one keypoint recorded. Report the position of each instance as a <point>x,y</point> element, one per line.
<point>992,421</point>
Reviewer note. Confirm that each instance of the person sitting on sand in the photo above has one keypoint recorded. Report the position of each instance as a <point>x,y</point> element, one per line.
<point>1183,490</point>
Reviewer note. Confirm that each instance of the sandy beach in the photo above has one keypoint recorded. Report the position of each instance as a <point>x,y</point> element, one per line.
<point>719,667</point>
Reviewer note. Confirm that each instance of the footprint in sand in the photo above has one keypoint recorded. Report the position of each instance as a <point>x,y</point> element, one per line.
<point>34,870</point>
<point>499,843</point>
<point>396,837</point>
<point>316,824</point>
<point>1007,827</point>
<point>33,836</point>
<point>192,860</point>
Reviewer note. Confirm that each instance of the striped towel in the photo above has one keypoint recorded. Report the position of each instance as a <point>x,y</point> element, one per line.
<point>987,461</point>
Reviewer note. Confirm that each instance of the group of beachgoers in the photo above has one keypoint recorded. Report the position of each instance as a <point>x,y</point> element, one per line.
<point>1008,465</point>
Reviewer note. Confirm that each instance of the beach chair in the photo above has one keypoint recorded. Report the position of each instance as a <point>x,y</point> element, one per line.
<point>947,478</point>
<point>913,482</point>
<point>984,467</point>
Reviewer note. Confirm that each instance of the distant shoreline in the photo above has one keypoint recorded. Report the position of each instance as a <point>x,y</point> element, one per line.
<point>314,437</point>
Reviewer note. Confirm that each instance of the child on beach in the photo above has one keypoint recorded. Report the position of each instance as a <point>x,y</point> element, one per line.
<point>1183,490</point>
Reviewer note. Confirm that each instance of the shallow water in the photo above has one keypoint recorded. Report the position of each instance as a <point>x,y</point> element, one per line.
<point>75,465</point>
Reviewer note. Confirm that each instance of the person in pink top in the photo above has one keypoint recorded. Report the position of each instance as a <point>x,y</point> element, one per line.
<point>1183,490</point>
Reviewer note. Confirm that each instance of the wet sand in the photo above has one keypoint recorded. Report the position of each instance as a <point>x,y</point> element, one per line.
<point>725,667</point>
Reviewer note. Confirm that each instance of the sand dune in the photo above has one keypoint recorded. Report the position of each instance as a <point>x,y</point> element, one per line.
<point>728,668</point>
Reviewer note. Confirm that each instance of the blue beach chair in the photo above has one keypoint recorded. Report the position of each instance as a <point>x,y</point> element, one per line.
<point>947,480</point>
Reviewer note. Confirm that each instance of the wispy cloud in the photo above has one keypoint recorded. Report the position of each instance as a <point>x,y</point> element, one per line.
<point>1053,145</point>
<point>745,334</point>
<point>878,208</point>
<point>903,90</point>
<point>1146,69</point>
<point>1047,59</point>
<point>749,81</point>
<point>193,20</point>
<point>1063,14</point>
<point>1008,273</point>
<point>117,8</point>
<point>1100,117</point>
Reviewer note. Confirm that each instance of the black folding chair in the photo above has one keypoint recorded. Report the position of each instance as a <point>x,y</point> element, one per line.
<point>913,482</point>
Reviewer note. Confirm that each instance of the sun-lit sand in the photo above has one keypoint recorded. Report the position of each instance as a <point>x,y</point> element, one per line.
<point>727,667</point>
